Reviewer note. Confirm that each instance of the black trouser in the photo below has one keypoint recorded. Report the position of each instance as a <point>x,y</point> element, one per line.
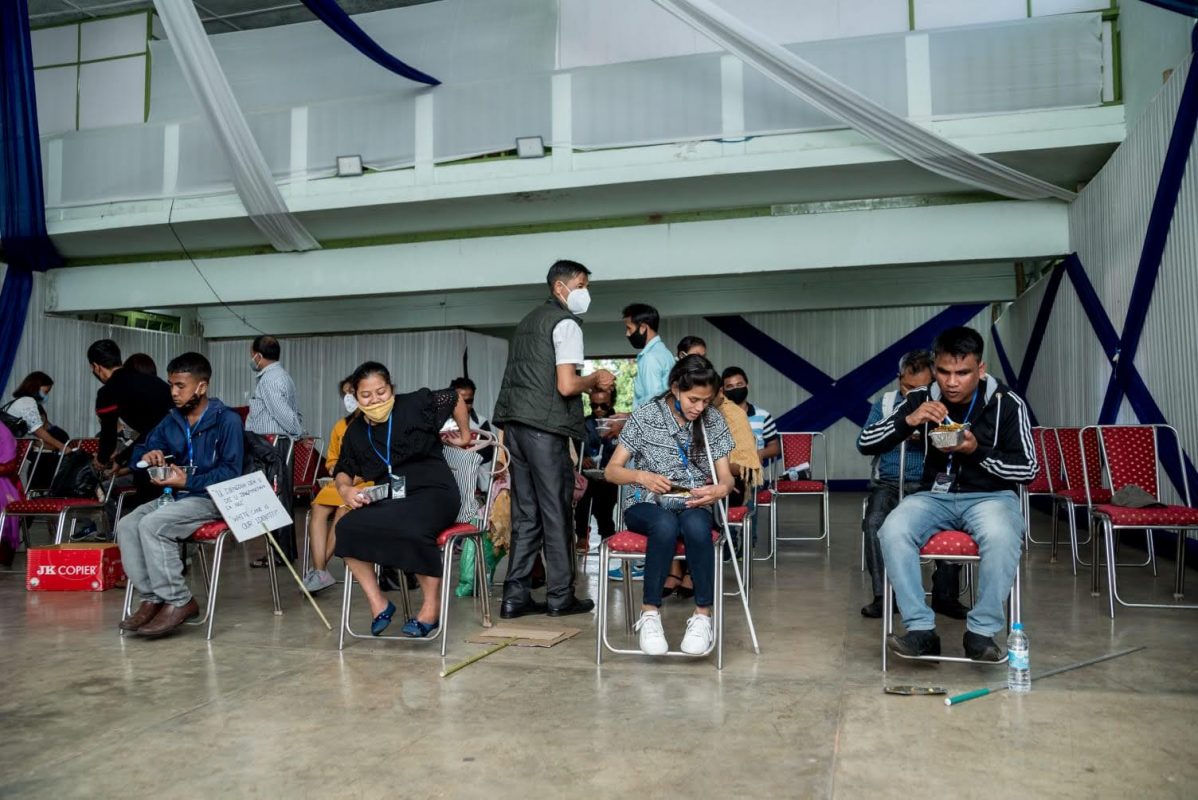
<point>599,501</point>
<point>286,536</point>
<point>542,479</point>
<point>883,497</point>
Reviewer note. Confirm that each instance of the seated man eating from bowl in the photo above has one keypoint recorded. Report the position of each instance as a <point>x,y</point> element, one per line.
<point>197,444</point>
<point>972,471</point>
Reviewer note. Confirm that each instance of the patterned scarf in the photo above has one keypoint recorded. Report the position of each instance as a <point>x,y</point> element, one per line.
<point>744,451</point>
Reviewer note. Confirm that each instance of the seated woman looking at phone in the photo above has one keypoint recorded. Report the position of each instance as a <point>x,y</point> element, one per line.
<point>672,493</point>
<point>396,444</point>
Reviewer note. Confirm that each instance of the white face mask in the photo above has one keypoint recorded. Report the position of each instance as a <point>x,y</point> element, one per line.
<point>351,403</point>
<point>578,301</point>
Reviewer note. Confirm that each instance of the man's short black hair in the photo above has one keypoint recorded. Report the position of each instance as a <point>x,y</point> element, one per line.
<point>959,342</point>
<point>915,362</point>
<point>267,346</point>
<point>642,314</point>
<point>104,353</point>
<point>564,271</point>
<point>732,372</point>
<point>462,383</point>
<point>687,342</point>
<point>194,364</point>
<point>612,391</point>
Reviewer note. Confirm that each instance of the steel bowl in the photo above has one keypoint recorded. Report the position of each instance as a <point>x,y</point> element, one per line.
<point>946,440</point>
<point>164,472</point>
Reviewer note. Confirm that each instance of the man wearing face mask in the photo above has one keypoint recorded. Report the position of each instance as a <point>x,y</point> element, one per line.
<point>653,359</point>
<point>200,433</point>
<point>540,407</point>
<point>736,389</point>
<point>274,410</point>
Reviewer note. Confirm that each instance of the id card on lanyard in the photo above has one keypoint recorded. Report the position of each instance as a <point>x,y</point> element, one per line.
<point>397,484</point>
<point>190,432</point>
<point>943,482</point>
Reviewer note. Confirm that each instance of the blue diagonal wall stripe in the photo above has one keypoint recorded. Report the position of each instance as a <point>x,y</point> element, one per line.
<point>1009,372</point>
<point>1164,205</point>
<point>848,397</point>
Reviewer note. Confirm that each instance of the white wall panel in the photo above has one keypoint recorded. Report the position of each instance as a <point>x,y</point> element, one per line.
<point>834,341</point>
<point>57,90</point>
<point>1042,8</point>
<point>317,364</point>
<point>58,347</point>
<point>952,13</point>
<point>1107,228</point>
<point>112,92</point>
<point>116,36</point>
<point>58,45</point>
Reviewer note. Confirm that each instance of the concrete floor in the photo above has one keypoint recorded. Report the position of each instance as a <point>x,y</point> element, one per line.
<point>270,708</point>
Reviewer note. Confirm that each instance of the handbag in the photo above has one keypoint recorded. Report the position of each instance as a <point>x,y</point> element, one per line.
<point>17,425</point>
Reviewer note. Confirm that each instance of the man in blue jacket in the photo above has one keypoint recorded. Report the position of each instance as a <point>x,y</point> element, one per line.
<point>201,433</point>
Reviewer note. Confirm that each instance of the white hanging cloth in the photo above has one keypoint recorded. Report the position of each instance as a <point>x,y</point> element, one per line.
<point>251,175</point>
<point>912,142</point>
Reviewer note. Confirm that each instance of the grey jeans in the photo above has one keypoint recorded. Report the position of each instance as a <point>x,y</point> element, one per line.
<point>149,538</point>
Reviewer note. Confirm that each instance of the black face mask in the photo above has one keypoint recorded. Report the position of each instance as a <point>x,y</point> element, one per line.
<point>737,396</point>
<point>191,405</point>
<point>637,339</point>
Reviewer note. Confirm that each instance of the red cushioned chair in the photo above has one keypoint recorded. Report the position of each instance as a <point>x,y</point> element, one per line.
<point>799,449</point>
<point>212,533</point>
<point>1081,482</point>
<point>765,499</point>
<point>447,541</point>
<point>1043,485</point>
<point>1131,455</point>
<point>65,509</point>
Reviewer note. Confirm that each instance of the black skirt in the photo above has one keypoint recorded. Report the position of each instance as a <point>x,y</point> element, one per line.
<point>400,533</point>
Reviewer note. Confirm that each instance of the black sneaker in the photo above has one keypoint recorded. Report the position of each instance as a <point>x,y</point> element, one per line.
<point>950,607</point>
<point>915,643</point>
<point>981,648</point>
<point>874,609</point>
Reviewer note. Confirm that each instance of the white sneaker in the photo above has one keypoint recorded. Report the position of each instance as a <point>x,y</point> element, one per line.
<point>698,636</point>
<point>652,637</point>
<point>318,579</point>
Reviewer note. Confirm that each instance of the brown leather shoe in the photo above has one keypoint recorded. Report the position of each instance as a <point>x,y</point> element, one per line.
<point>144,613</point>
<point>168,618</point>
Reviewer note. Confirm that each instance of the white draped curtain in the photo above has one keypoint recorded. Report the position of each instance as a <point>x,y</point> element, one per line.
<point>251,175</point>
<point>801,78</point>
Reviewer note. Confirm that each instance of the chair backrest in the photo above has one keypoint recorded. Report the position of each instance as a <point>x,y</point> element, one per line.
<point>1081,457</point>
<point>1130,455</point>
<point>796,449</point>
<point>1043,483</point>
<point>304,464</point>
<point>89,446</point>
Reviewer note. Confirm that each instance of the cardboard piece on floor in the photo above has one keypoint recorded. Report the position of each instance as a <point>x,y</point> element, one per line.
<point>525,635</point>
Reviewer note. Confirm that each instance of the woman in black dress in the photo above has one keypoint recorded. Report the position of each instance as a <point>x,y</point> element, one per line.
<point>396,444</point>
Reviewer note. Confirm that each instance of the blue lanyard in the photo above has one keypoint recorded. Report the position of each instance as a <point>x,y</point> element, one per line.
<point>949,466</point>
<point>190,431</point>
<point>370,438</point>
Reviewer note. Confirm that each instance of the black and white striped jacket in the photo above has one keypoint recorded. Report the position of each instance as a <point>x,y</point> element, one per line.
<point>1005,456</point>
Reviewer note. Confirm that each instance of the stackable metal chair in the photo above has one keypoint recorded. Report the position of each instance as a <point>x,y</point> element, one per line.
<point>212,534</point>
<point>798,449</point>
<point>63,509</point>
<point>765,499</point>
<point>1081,473</point>
<point>1132,456</point>
<point>956,546</point>
<point>1043,486</point>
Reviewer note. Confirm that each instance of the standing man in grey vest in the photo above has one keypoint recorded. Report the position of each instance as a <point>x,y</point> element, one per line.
<point>540,408</point>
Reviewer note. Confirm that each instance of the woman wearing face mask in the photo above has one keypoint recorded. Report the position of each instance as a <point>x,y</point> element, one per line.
<point>29,406</point>
<point>396,443</point>
<point>328,505</point>
<point>670,438</point>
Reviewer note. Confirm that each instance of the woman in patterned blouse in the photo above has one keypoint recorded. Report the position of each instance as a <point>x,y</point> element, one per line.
<point>672,493</point>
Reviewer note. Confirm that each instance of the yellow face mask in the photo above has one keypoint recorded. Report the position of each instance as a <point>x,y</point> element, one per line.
<point>379,411</point>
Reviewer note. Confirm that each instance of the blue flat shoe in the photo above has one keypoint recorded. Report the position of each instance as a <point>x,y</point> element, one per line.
<point>419,630</point>
<point>380,622</point>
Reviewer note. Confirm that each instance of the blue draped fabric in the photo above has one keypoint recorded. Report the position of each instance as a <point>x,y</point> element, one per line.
<point>331,14</point>
<point>23,241</point>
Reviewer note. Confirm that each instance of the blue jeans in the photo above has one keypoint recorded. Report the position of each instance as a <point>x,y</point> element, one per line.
<point>663,528</point>
<point>993,519</point>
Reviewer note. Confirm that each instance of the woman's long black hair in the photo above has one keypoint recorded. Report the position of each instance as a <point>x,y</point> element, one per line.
<point>692,372</point>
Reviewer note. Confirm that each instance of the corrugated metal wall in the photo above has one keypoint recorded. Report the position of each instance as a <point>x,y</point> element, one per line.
<point>317,364</point>
<point>58,347</point>
<point>1107,226</point>
<point>834,341</point>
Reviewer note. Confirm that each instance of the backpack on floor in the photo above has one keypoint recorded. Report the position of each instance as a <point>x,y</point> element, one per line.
<point>76,477</point>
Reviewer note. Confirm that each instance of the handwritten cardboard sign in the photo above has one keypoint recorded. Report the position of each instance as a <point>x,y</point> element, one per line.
<point>247,504</point>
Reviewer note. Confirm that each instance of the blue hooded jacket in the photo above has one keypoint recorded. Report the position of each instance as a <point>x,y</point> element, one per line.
<point>216,445</point>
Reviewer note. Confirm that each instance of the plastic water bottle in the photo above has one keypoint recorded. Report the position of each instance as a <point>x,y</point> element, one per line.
<point>1019,669</point>
<point>167,498</point>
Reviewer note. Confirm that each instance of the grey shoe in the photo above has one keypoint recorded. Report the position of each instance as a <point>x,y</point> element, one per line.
<point>318,579</point>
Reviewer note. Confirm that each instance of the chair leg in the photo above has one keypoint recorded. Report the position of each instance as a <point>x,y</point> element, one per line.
<point>217,558</point>
<point>887,613</point>
<point>274,580</point>
<point>483,591</point>
<point>827,522</point>
<point>626,570</point>
<point>1150,538</point>
<point>774,507</point>
<point>719,604</point>
<point>62,523</point>
<point>345,600</point>
<point>127,608</point>
<point>1108,535</point>
<point>601,603</point>
<point>306,550</point>
<point>1179,586</point>
<point>446,571</point>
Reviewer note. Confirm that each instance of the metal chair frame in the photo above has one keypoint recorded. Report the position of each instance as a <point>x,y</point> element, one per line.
<point>1038,434</point>
<point>1067,503</point>
<point>1101,522</point>
<point>68,513</point>
<point>825,535</point>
